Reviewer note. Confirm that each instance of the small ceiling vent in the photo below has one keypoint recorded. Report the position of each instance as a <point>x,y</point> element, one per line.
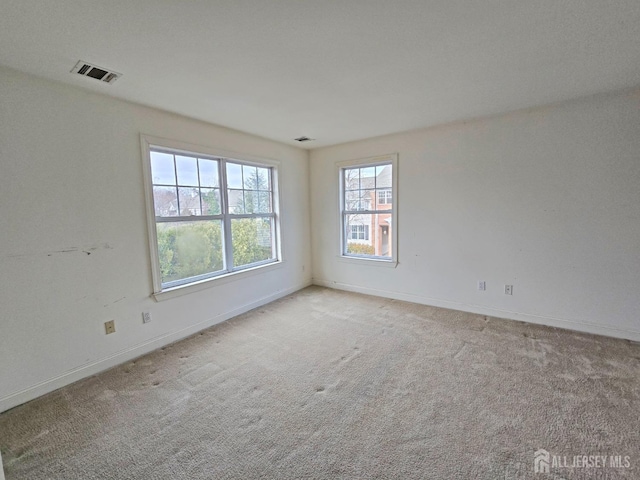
<point>87,70</point>
<point>304,139</point>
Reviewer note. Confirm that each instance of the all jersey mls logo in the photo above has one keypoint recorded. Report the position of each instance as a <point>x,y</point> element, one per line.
<point>544,462</point>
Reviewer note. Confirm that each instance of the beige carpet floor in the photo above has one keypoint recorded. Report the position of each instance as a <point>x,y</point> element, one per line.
<point>330,384</point>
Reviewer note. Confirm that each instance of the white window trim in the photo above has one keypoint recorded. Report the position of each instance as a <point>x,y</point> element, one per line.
<point>147,142</point>
<point>392,262</point>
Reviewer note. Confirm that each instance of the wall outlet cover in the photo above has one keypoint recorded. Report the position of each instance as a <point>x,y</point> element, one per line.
<point>110,326</point>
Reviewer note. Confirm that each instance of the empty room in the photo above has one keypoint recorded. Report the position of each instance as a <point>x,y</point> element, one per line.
<point>287,239</point>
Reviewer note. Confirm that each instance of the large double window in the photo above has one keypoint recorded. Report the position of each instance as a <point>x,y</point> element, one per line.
<point>368,210</point>
<point>212,215</point>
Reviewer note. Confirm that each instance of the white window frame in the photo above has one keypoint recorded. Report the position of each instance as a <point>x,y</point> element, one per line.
<point>149,143</point>
<point>391,261</point>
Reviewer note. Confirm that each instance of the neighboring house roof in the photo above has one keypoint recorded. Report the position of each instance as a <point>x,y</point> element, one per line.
<point>382,180</point>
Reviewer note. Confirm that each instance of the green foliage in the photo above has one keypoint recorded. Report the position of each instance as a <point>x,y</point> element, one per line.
<point>360,249</point>
<point>211,202</point>
<point>251,240</point>
<point>257,181</point>
<point>189,249</point>
<point>252,236</point>
<point>256,194</point>
<point>166,251</point>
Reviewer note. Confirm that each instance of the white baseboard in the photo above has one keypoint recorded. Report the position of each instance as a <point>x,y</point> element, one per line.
<point>493,312</point>
<point>35,391</point>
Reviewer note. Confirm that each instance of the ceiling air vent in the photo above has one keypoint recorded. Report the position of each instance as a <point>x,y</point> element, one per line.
<point>304,139</point>
<point>87,70</point>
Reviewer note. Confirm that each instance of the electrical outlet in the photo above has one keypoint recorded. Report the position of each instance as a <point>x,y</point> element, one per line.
<point>508,289</point>
<point>146,317</point>
<point>110,326</point>
<point>482,285</point>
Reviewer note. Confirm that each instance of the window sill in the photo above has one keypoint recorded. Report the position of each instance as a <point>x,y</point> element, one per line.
<point>219,280</point>
<point>372,262</point>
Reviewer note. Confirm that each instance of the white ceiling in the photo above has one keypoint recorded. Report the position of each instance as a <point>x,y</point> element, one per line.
<point>334,70</point>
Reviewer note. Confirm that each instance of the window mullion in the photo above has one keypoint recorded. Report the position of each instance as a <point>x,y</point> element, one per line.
<point>251,215</point>
<point>175,172</point>
<point>199,185</point>
<point>364,212</point>
<point>191,218</point>
<point>224,197</point>
<point>274,222</point>
<point>346,233</point>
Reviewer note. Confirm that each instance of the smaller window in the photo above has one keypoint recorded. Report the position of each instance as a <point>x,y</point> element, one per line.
<point>368,214</point>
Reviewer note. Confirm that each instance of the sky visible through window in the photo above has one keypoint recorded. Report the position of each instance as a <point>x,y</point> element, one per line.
<point>164,172</point>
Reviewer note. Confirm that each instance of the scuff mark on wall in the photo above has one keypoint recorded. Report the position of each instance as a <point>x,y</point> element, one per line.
<point>87,250</point>
<point>116,301</point>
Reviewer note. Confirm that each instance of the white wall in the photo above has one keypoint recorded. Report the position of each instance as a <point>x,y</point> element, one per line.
<point>546,199</point>
<point>71,181</point>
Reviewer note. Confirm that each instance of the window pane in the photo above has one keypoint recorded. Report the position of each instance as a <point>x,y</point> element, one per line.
<point>234,175</point>
<point>236,202</point>
<point>251,238</point>
<point>264,177</point>
<point>368,177</point>
<point>264,202</point>
<point>352,178</point>
<point>162,170</point>
<point>208,173</point>
<point>367,200</point>
<point>188,249</point>
<point>250,177</point>
<point>352,200</point>
<point>210,199</point>
<point>251,201</point>
<point>368,234</point>
<point>189,201</point>
<point>165,201</point>
<point>187,168</point>
<point>383,176</point>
